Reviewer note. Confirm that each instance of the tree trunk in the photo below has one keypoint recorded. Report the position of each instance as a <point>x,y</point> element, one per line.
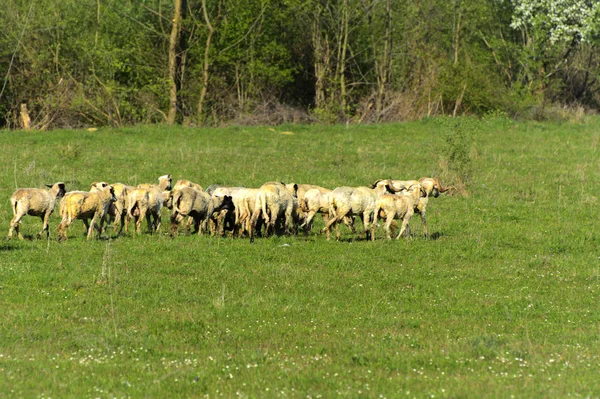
<point>173,55</point>
<point>343,51</point>
<point>25,119</point>
<point>384,66</point>
<point>205,69</point>
<point>320,63</point>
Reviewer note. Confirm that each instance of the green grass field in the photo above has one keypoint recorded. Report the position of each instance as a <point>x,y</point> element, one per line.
<point>503,302</point>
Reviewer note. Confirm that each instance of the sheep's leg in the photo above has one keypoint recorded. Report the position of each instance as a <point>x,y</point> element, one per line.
<point>157,221</point>
<point>307,225</point>
<point>221,223</point>
<point>176,218</point>
<point>366,218</point>
<point>404,223</point>
<point>199,223</point>
<point>149,221</point>
<point>388,223</point>
<point>393,226</point>
<point>138,224</point>
<point>45,227</point>
<point>334,219</point>
<point>14,224</point>
<point>349,221</point>
<point>87,226</point>
<point>93,226</point>
<point>62,228</point>
<point>272,226</point>
<point>424,221</point>
<point>120,217</point>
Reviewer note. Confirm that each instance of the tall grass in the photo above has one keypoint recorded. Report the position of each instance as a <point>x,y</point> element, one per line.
<point>504,302</point>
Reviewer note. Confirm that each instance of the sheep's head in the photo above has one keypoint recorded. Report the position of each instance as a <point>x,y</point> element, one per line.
<point>416,191</point>
<point>168,199</point>
<point>111,191</point>
<point>97,186</point>
<point>224,202</point>
<point>165,182</point>
<point>292,188</point>
<point>433,186</point>
<point>58,188</point>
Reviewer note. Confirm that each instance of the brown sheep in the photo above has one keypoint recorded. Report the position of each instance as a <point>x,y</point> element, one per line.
<point>34,202</point>
<point>432,187</point>
<point>355,201</point>
<point>85,205</point>
<point>199,205</point>
<point>399,206</point>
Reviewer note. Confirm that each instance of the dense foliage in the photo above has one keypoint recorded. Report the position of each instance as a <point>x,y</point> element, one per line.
<point>121,62</point>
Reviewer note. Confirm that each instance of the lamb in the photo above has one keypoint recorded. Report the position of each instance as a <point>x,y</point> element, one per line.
<point>399,206</point>
<point>117,212</point>
<point>85,205</point>
<point>355,201</point>
<point>276,203</point>
<point>188,201</point>
<point>34,202</point>
<point>138,204</point>
<point>432,187</point>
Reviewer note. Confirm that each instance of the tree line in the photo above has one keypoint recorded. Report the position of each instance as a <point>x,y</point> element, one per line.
<point>75,63</point>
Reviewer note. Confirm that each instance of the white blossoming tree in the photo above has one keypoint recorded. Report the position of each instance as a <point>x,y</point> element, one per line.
<point>559,20</point>
<point>559,37</point>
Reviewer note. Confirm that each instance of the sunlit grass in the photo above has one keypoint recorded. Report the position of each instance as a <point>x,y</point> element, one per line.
<point>504,300</point>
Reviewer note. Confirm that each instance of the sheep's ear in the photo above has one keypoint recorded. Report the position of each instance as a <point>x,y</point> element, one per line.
<point>169,176</point>
<point>49,185</point>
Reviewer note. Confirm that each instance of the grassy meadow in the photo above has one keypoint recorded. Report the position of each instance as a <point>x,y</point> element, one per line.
<point>503,301</point>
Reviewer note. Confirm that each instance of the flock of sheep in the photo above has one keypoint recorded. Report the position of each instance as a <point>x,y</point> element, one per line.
<point>274,208</point>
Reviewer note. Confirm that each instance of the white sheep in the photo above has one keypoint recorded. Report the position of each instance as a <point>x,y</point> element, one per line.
<point>34,202</point>
<point>277,204</point>
<point>85,205</point>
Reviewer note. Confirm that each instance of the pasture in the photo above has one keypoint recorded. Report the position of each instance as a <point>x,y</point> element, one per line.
<point>502,301</point>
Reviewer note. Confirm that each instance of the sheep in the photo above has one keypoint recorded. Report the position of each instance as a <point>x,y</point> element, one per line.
<point>315,200</point>
<point>158,196</point>
<point>164,183</point>
<point>245,204</point>
<point>138,204</point>
<point>186,183</point>
<point>351,201</point>
<point>117,212</point>
<point>226,219</point>
<point>188,201</point>
<point>275,202</point>
<point>399,206</point>
<point>35,202</point>
<point>432,187</point>
<point>85,205</point>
